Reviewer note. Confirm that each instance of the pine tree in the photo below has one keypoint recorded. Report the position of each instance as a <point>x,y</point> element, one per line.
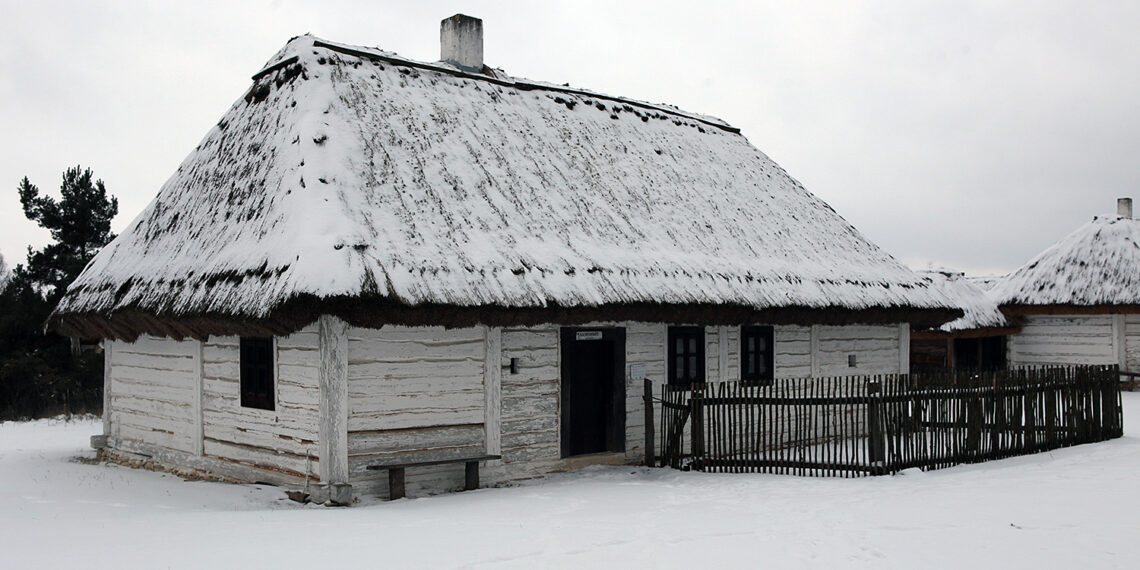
<point>80,224</point>
<point>39,373</point>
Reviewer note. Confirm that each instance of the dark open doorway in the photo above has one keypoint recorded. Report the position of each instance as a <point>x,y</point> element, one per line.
<point>593,390</point>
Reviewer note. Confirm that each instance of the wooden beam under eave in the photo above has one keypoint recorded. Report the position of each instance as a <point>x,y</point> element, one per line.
<point>1018,310</point>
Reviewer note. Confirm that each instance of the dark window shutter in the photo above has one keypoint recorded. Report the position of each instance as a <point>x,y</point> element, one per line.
<point>757,355</point>
<point>686,356</point>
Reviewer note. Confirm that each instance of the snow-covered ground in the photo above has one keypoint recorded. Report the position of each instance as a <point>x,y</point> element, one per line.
<point>1076,507</point>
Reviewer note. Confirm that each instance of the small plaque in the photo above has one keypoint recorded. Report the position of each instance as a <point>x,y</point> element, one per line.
<point>588,335</point>
<point>637,372</point>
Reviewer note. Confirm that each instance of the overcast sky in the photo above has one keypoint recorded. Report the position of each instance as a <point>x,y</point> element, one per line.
<point>962,134</point>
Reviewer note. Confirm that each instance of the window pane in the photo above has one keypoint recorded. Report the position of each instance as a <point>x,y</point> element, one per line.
<point>256,367</point>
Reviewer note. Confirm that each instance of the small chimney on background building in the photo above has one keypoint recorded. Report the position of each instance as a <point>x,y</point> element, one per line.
<point>1124,207</point>
<point>461,42</point>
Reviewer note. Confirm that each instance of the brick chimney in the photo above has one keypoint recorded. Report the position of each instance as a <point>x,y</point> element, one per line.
<point>461,42</point>
<point>1124,207</point>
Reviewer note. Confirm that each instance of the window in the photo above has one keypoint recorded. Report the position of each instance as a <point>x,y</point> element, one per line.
<point>257,372</point>
<point>756,351</point>
<point>686,356</point>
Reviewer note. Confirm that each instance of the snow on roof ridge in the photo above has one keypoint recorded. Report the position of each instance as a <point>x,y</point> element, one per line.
<point>493,75</point>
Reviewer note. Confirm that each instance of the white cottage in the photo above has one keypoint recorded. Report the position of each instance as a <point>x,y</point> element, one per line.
<point>1079,300</point>
<point>374,261</point>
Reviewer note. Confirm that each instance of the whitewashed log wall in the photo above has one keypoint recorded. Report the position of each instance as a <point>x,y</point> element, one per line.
<point>283,439</point>
<point>418,393</point>
<point>529,403</point>
<point>414,394</point>
<point>530,399</point>
<point>153,392</point>
<point>185,396</point>
<point>1064,339</point>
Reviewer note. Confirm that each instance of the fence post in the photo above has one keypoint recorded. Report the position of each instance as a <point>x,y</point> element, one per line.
<point>975,422</point>
<point>875,452</point>
<point>650,444</point>
<point>697,432</point>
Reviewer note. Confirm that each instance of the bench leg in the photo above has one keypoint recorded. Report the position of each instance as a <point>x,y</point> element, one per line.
<point>471,479</point>
<point>396,483</point>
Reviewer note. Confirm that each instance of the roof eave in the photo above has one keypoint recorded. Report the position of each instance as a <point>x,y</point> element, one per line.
<point>128,324</point>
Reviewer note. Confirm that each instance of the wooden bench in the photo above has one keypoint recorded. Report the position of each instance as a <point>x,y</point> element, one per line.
<point>396,472</point>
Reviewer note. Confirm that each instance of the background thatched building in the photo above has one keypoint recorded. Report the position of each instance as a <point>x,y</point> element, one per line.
<point>1079,300</point>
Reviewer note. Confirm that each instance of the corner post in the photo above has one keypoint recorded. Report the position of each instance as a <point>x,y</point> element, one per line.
<point>108,346</point>
<point>1119,338</point>
<point>492,388</point>
<point>332,447</point>
<point>102,441</point>
<point>199,426</point>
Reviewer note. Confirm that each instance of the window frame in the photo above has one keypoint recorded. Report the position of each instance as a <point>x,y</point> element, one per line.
<point>685,332</point>
<point>752,378</point>
<point>254,394</point>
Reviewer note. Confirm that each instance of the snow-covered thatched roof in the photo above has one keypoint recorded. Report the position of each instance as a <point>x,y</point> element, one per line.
<point>349,174</point>
<point>969,293</point>
<point>1096,266</point>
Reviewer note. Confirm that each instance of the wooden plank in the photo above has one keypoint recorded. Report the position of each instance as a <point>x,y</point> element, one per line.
<point>492,388</point>
<point>180,394</point>
<point>420,417</point>
<point>722,356</point>
<point>860,345</point>
<point>904,348</point>
<point>146,345</point>
<point>216,353</point>
<point>108,348</point>
<point>1119,345</point>
<point>333,377</point>
<point>245,424</point>
<point>197,402</point>
<point>411,350</point>
<point>832,333</point>
<point>428,335</point>
<point>414,439</point>
<point>392,402</point>
<point>157,408</point>
<point>815,364</point>
<point>149,362</point>
<point>291,463</point>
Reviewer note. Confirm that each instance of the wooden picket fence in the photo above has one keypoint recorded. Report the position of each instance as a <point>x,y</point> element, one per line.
<point>873,425</point>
